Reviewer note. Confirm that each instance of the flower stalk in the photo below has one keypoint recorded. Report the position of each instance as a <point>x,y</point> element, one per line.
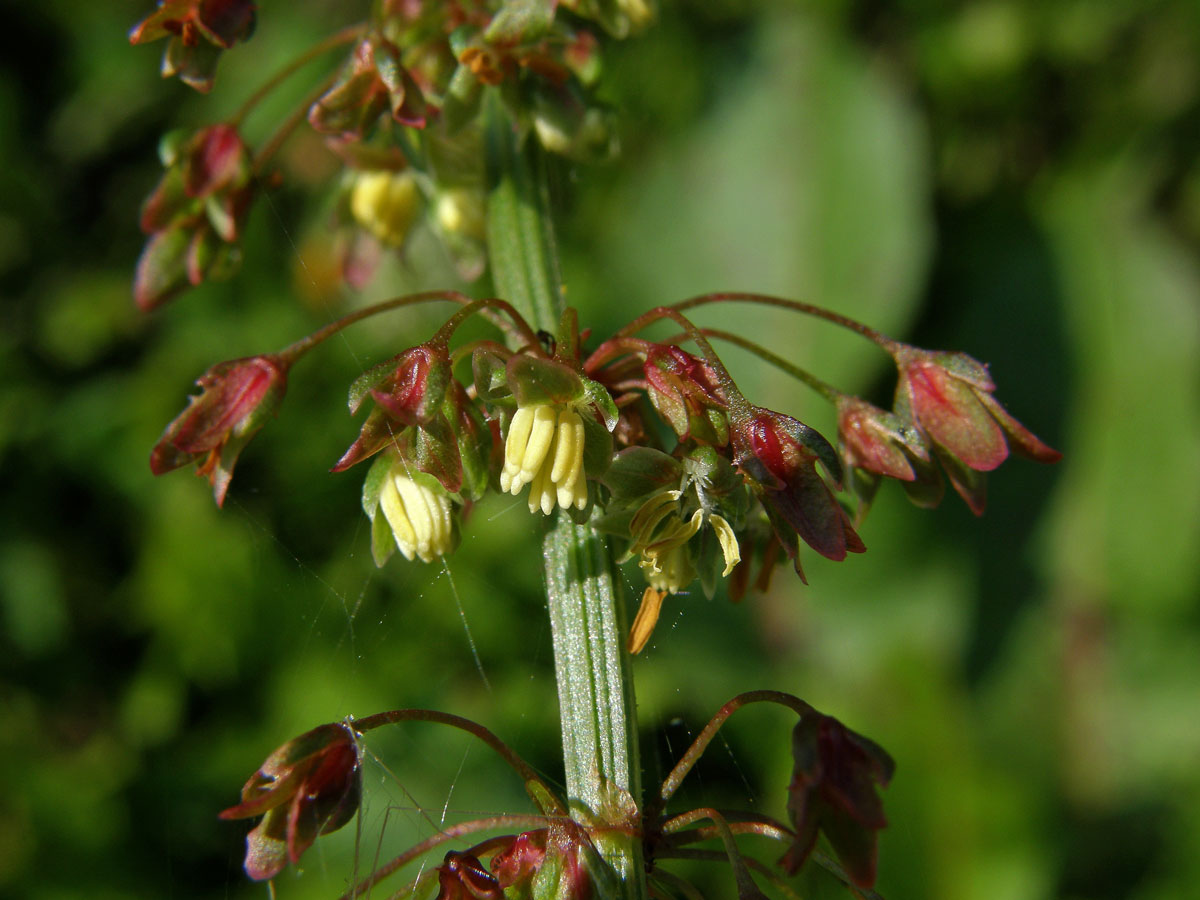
<point>587,617</point>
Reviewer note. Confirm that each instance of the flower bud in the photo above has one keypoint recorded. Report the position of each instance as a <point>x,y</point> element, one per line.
<point>199,30</point>
<point>834,774</point>
<point>369,86</point>
<point>683,391</point>
<point>949,396</point>
<point>195,214</point>
<point>310,786</point>
<point>235,400</point>
<point>544,449</point>
<point>386,204</point>
<point>779,454</point>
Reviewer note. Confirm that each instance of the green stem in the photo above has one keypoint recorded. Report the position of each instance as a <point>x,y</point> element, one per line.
<point>521,247</point>
<point>806,309</point>
<point>824,388</point>
<point>541,795</point>
<point>587,615</point>
<point>337,39</point>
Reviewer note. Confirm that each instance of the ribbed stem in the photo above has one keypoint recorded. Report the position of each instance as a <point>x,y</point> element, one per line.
<point>587,620</point>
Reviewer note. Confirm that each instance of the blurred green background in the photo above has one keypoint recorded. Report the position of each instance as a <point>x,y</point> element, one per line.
<point>1018,180</point>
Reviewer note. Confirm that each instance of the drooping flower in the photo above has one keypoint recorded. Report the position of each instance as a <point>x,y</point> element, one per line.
<point>308,787</point>
<point>409,511</point>
<point>544,449</point>
<point>683,390</point>
<point>778,454</point>
<point>661,537</point>
<point>371,86</point>
<point>949,396</point>
<point>877,444</point>
<point>236,399</point>
<point>198,30</point>
<point>195,214</point>
<point>833,783</point>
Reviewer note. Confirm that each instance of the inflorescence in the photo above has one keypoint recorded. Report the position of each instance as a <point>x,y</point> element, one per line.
<point>648,441</point>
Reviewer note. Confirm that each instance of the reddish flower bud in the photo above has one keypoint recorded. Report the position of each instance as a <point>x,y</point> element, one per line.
<point>878,441</point>
<point>235,400</point>
<point>310,786</point>
<point>949,395</point>
<point>372,84</point>
<point>833,789</point>
<point>195,214</point>
<point>423,414</point>
<point>779,455</point>
<point>683,390</point>
<point>199,30</point>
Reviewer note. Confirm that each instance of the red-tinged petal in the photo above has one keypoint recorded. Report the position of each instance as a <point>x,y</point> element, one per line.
<point>262,793</point>
<point>161,269</point>
<point>349,108</point>
<point>216,157</point>
<point>232,393</point>
<point>1021,440</point>
<point>867,442</point>
<point>971,484</point>
<point>950,412</point>
<point>378,431</point>
<point>168,203</point>
<point>225,22</point>
<point>162,22</point>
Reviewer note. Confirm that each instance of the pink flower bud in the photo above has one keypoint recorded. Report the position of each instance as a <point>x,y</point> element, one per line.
<point>235,400</point>
<point>949,396</point>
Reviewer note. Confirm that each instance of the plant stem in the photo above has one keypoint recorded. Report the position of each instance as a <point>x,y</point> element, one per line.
<point>347,35</point>
<point>587,616</point>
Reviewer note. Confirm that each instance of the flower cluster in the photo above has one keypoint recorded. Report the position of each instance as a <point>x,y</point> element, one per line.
<point>652,444</point>
<point>196,214</point>
<point>404,115</point>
